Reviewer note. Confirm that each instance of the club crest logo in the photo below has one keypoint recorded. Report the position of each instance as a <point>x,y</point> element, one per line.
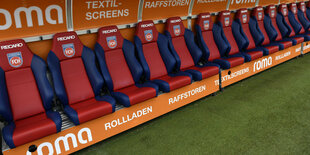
<point>260,16</point>
<point>284,12</point>
<point>68,50</point>
<point>226,21</point>
<point>148,34</point>
<point>272,13</point>
<point>294,10</point>
<point>15,59</point>
<point>303,8</point>
<point>244,18</point>
<point>112,42</point>
<point>176,30</point>
<point>206,24</point>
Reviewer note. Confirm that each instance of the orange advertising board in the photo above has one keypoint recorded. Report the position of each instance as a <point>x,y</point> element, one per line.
<point>208,6</point>
<point>287,1</point>
<point>86,134</point>
<point>20,18</point>
<point>306,47</point>
<point>98,13</point>
<point>237,4</point>
<point>162,9</point>
<point>238,73</point>
<point>267,2</point>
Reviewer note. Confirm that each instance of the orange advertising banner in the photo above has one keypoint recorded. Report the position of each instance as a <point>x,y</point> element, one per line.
<point>237,4</point>
<point>89,133</point>
<point>306,47</point>
<point>208,6</point>
<point>238,73</point>
<point>162,9</point>
<point>288,1</point>
<point>267,2</point>
<point>98,13</point>
<point>20,18</point>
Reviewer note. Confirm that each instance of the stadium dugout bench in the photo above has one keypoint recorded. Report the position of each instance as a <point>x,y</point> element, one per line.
<point>26,95</point>
<point>77,82</point>
<point>120,68</point>
<point>186,52</point>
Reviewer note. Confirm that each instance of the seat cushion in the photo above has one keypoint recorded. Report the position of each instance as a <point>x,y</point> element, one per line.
<point>32,128</point>
<point>286,44</point>
<point>299,39</point>
<point>203,72</point>
<point>132,95</point>
<point>253,55</point>
<point>270,49</point>
<point>168,83</point>
<point>91,109</point>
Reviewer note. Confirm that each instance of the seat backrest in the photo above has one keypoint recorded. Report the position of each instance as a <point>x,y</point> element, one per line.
<point>294,10</point>
<point>243,16</point>
<point>302,7</point>
<point>259,15</point>
<point>205,24</point>
<point>225,22</point>
<point>283,11</point>
<point>72,66</point>
<point>271,13</point>
<point>176,31</point>
<point>153,57</point>
<point>116,53</point>
<point>19,90</point>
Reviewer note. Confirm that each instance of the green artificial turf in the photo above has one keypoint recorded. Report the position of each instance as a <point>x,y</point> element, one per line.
<point>266,114</point>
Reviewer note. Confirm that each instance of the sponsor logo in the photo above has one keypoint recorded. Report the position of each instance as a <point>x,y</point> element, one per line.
<point>109,31</point>
<point>68,50</point>
<point>5,47</point>
<point>233,75</point>
<point>166,3</point>
<point>244,18</point>
<point>176,30</point>
<point>261,64</point>
<point>148,34</point>
<point>187,94</point>
<point>284,55</point>
<point>226,21</point>
<point>128,118</point>
<point>175,21</point>
<point>242,1</point>
<point>66,38</point>
<point>70,137</point>
<point>147,25</point>
<point>205,16</point>
<point>260,16</point>
<point>15,59</point>
<point>206,24</point>
<point>112,42</point>
<point>31,12</point>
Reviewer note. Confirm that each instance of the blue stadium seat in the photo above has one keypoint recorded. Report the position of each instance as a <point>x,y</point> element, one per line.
<point>205,39</point>
<point>77,81</point>
<point>295,23</point>
<point>120,68</point>
<point>26,95</point>
<point>156,59</point>
<point>186,52</point>
<point>243,36</point>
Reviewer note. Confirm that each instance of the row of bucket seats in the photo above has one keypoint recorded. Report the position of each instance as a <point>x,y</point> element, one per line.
<point>132,73</point>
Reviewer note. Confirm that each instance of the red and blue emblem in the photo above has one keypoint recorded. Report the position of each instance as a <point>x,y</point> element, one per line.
<point>284,12</point>
<point>111,41</point>
<point>15,59</point>
<point>260,15</point>
<point>226,21</point>
<point>206,24</point>
<point>68,50</point>
<point>244,18</point>
<point>272,13</point>
<point>176,30</point>
<point>148,34</point>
